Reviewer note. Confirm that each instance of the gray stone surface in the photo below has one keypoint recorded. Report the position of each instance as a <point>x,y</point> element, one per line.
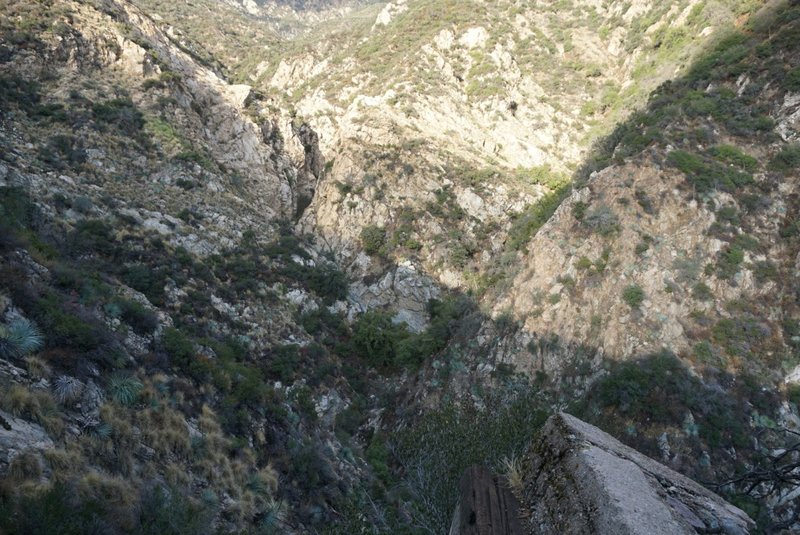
<point>581,480</point>
<point>17,436</point>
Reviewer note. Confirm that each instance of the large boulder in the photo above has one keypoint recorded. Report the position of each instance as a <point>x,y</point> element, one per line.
<point>579,479</point>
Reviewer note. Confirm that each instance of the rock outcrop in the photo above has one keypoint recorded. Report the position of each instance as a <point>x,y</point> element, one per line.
<point>18,436</point>
<point>579,479</point>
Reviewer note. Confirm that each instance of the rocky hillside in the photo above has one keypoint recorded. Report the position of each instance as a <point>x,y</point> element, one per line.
<point>451,126</point>
<point>291,267</point>
<point>152,291</point>
<point>450,129</point>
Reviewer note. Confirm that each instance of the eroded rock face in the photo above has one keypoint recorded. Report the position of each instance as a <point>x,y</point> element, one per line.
<point>581,480</point>
<point>18,436</point>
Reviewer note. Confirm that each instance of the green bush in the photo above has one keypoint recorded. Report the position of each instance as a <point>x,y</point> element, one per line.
<point>740,335</point>
<point>93,236</point>
<point>375,338</point>
<point>386,345</point>
<point>526,224</point>
<point>64,327</point>
<point>792,80</point>
<point>633,295</point>
<point>283,362</point>
<point>579,210</point>
<point>50,512</point>
<point>704,352</point>
<point>141,319</point>
<point>16,208</point>
<point>729,261</point>
<point>373,239</point>
<point>659,390</point>
<point>765,271</point>
<point>121,113</point>
<point>178,347</point>
<point>145,279</point>
<point>732,155</point>
<point>702,292</point>
<point>787,160</point>
<point>327,281</point>
<point>706,176</point>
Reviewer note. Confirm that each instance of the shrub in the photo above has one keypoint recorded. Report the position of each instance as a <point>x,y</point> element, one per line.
<point>579,210</point>
<point>93,236</point>
<point>702,292</point>
<point>66,326</point>
<point>792,80</point>
<point>67,389</point>
<point>53,511</point>
<point>704,352</point>
<point>121,113</point>
<point>527,223</point>
<point>786,160</point>
<point>124,390</point>
<point>284,362</point>
<point>19,338</point>
<point>601,219</point>
<point>633,295</point>
<point>141,319</point>
<point>169,511</point>
<point>375,338</point>
<point>178,347</point>
<point>373,239</point>
<point>740,335</point>
<point>16,208</point>
<point>706,176</point>
<point>729,261</point>
<point>732,155</point>
<point>326,280</point>
<point>764,271</point>
<point>658,389</point>
<point>145,279</point>
<point>644,245</point>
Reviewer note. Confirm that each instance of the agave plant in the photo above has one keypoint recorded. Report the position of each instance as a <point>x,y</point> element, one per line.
<point>67,389</point>
<point>102,430</point>
<point>19,338</point>
<point>124,389</point>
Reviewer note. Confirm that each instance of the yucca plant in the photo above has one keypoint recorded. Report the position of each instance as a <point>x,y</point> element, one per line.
<point>102,430</point>
<point>19,338</point>
<point>124,389</point>
<point>67,389</point>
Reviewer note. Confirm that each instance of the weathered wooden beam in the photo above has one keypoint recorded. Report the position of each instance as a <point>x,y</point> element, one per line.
<point>486,506</point>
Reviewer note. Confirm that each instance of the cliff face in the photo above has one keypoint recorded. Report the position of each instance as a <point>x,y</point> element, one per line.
<point>445,122</point>
<point>681,238</point>
<point>275,263</point>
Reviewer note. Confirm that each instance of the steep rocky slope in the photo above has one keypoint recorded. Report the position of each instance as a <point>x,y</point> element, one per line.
<point>446,122</point>
<point>287,306</point>
<point>148,266</point>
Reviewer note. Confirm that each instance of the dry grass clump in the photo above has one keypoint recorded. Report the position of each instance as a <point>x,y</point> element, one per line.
<point>36,406</point>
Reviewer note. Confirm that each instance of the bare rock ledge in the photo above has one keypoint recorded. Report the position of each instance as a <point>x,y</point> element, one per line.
<point>578,479</point>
